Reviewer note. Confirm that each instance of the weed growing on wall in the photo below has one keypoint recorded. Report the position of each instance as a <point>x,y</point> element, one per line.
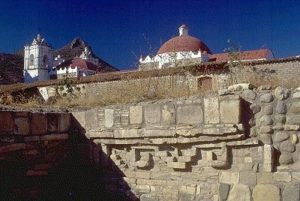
<point>234,63</point>
<point>240,73</point>
<point>68,87</point>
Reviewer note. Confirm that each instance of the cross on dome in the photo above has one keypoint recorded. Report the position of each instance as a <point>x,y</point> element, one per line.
<point>183,30</point>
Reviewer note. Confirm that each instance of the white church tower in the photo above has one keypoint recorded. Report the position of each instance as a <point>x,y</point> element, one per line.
<point>38,60</point>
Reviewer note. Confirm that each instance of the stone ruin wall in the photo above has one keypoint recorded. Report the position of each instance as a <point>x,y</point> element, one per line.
<point>242,144</point>
<point>31,144</point>
<point>165,85</point>
<point>239,144</point>
<point>283,73</point>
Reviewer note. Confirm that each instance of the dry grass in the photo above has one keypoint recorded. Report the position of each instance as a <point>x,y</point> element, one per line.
<point>127,92</point>
<point>125,75</point>
<point>255,77</point>
<point>129,87</point>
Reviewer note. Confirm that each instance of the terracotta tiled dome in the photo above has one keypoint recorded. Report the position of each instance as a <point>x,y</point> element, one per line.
<point>183,43</point>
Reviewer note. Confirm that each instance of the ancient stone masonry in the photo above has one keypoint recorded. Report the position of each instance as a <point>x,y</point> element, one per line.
<point>240,144</point>
<point>37,139</point>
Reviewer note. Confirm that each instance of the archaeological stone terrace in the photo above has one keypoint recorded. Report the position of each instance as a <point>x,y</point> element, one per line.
<point>191,135</point>
<point>238,144</point>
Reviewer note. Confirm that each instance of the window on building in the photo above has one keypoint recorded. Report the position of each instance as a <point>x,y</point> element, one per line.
<point>31,60</point>
<point>205,83</point>
<point>45,60</point>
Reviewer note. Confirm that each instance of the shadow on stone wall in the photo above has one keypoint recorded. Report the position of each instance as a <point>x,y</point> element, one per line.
<point>247,114</point>
<point>77,175</point>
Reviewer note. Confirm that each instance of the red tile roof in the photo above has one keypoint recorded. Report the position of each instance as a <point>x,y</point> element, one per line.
<point>245,55</point>
<point>183,43</point>
<point>80,63</point>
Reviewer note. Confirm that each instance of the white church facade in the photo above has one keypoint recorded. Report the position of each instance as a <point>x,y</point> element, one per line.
<point>38,59</point>
<point>41,64</point>
<point>183,50</point>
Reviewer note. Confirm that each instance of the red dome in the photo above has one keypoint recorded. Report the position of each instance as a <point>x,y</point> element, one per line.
<point>183,43</point>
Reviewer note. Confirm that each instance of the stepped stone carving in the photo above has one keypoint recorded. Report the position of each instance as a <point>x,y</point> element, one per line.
<point>200,150</point>
<point>238,146</point>
<point>242,145</point>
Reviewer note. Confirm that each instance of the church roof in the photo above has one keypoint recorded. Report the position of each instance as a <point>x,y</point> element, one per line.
<point>183,43</point>
<point>75,48</point>
<point>82,64</point>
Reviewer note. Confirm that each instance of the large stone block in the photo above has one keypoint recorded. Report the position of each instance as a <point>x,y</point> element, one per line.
<point>143,174</point>
<point>64,123</point>
<point>267,110</point>
<point>168,114</point>
<point>281,93</point>
<point>266,120</point>
<point>79,118</point>
<point>280,136</point>
<point>266,98</point>
<point>177,165</point>
<point>126,133</point>
<point>268,158</point>
<point>295,107</point>
<point>54,137</point>
<point>285,158</point>
<point>249,94</point>
<point>152,114</point>
<point>287,146</point>
<point>230,111</point>
<point>266,192</point>
<point>211,110</point>
<point>239,192</point>
<point>282,176</point>
<point>7,124</point>
<point>229,177</point>
<point>109,118</point>
<point>293,119</point>
<point>142,189</point>
<point>296,176</point>
<point>265,178</point>
<point>265,138</point>
<point>52,122</point>
<point>91,118</point>
<point>12,147</point>
<point>248,178</point>
<point>169,193</point>
<point>22,126</point>
<point>281,107</point>
<point>21,114</point>
<point>38,124</point>
<point>100,134</point>
<point>149,197</point>
<point>158,133</point>
<point>136,114</point>
<point>189,114</point>
<point>186,193</point>
<point>223,191</point>
<point>291,192</point>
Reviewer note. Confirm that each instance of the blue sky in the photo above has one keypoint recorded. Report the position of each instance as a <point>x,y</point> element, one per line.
<point>119,31</point>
